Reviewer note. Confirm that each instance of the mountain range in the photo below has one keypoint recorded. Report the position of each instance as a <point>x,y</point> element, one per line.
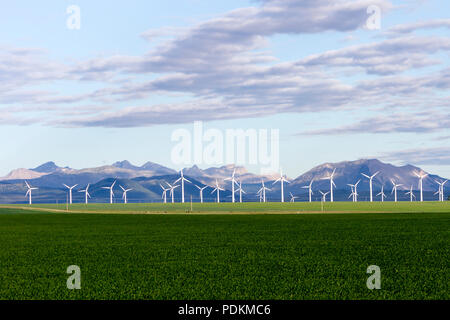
<point>145,181</point>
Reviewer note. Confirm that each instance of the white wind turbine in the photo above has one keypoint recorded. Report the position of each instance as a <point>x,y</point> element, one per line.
<point>259,193</point>
<point>233,181</point>
<point>172,188</point>
<point>382,194</point>
<point>281,179</point>
<point>241,191</point>
<point>411,194</point>
<point>421,176</point>
<point>164,194</point>
<point>354,191</point>
<point>124,195</point>
<point>330,177</point>
<point>217,189</point>
<point>370,182</point>
<point>263,191</point>
<point>441,189</point>
<point>70,191</point>
<point>394,189</point>
<point>324,195</point>
<point>182,179</point>
<point>309,190</point>
<point>111,192</point>
<point>292,197</point>
<point>86,194</point>
<point>201,192</point>
<point>29,192</point>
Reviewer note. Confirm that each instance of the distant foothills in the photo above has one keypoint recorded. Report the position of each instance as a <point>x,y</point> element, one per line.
<point>146,181</point>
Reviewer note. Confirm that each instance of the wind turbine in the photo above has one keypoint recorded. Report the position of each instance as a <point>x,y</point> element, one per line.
<point>292,197</point>
<point>354,190</point>
<point>324,195</point>
<point>260,195</point>
<point>370,182</point>
<point>382,194</point>
<point>411,194</point>
<point>86,194</point>
<point>217,189</point>
<point>421,176</point>
<point>394,189</point>
<point>241,191</point>
<point>330,177</point>
<point>172,188</point>
<point>263,190</point>
<point>281,179</point>
<point>441,189</point>
<point>182,179</point>
<point>164,194</point>
<point>201,192</point>
<point>70,191</point>
<point>124,195</point>
<point>233,181</point>
<point>309,190</point>
<point>111,192</point>
<point>29,191</point>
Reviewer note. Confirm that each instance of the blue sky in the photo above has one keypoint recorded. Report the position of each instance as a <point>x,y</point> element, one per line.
<point>117,88</point>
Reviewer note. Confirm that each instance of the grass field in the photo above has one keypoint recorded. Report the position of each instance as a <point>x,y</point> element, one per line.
<point>226,256</point>
<point>249,207</point>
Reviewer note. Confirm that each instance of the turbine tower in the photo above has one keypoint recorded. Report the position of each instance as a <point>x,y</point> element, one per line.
<point>233,181</point>
<point>164,194</point>
<point>182,179</point>
<point>370,182</point>
<point>217,189</point>
<point>124,195</point>
<point>394,189</point>
<point>86,194</point>
<point>201,192</point>
<point>111,192</point>
<point>70,191</point>
<point>309,190</point>
<point>382,194</point>
<point>421,176</point>
<point>411,194</point>
<point>29,192</point>
<point>263,191</point>
<point>281,179</point>
<point>330,177</point>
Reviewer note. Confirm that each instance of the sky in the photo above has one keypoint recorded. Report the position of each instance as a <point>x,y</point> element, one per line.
<point>338,81</point>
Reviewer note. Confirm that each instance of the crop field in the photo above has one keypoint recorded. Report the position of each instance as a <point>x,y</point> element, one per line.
<point>249,207</point>
<point>226,256</point>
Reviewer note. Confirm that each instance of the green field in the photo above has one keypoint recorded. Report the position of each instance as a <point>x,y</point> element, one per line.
<point>249,207</point>
<point>226,256</point>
